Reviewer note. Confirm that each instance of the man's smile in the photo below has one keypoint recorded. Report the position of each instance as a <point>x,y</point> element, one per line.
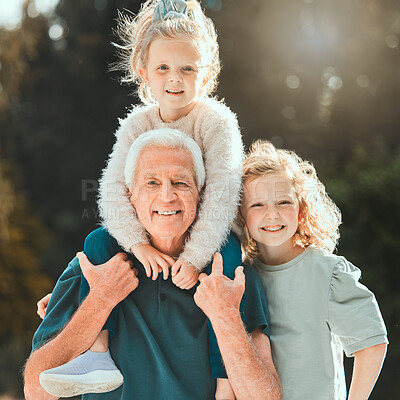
<point>168,212</point>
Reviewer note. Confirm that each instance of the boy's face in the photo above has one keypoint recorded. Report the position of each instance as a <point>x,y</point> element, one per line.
<point>271,211</point>
<point>173,74</point>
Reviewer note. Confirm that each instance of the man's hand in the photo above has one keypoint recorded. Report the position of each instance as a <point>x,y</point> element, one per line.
<point>42,305</point>
<point>109,284</point>
<point>217,295</point>
<point>111,281</point>
<point>152,260</point>
<point>184,275</point>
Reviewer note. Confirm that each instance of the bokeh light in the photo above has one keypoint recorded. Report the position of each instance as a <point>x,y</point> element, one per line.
<point>56,31</point>
<point>293,81</point>
<point>363,81</point>
<point>100,5</point>
<point>392,41</point>
<point>289,112</point>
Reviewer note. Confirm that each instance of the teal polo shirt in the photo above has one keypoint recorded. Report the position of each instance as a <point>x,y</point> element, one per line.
<point>161,341</point>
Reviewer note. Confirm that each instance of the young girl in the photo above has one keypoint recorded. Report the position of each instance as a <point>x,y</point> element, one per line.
<point>170,50</point>
<point>317,306</point>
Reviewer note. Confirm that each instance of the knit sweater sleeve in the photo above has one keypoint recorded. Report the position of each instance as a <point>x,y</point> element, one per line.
<point>218,132</point>
<point>116,212</point>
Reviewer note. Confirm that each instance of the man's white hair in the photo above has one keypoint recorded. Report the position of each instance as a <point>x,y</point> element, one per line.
<point>164,137</point>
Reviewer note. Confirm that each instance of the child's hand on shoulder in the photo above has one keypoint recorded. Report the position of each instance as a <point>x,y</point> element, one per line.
<point>42,305</point>
<point>184,275</point>
<point>153,260</point>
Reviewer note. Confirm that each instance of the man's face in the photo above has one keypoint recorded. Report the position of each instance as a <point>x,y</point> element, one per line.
<point>165,193</point>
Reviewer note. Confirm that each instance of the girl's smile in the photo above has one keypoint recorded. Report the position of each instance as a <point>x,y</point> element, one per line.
<point>271,212</point>
<point>273,229</point>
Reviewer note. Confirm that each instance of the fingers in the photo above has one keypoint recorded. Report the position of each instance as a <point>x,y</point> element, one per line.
<point>147,268</point>
<point>186,278</point>
<point>122,256</point>
<point>239,276</point>
<point>168,259</point>
<point>190,284</point>
<point>164,267</point>
<point>180,280</point>
<point>41,311</point>
<point>42,305</point>
<point>84,263</point>
<point>176,267</point>
<point>217,265</point>
<point>202,276</point>
<point>154,267</point>
<point>186,284</point>
<point>135,280</point>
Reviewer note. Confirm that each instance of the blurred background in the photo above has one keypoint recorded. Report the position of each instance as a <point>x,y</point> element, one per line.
<point>321,77</point>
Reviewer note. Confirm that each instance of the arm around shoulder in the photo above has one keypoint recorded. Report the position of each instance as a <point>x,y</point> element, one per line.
<point>116,211</point>
<point>218,132</point>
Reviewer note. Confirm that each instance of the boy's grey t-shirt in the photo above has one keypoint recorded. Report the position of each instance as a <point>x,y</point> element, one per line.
<point>317,309</point>
<point>161,342</point>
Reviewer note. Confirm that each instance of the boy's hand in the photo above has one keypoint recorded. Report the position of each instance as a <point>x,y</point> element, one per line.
<point>42,305</point>
<point>152,260</point>
<point>184,275</point>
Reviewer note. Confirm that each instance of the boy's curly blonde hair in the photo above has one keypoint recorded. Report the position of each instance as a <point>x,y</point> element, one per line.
<point>319,217</point>
<point>138,32</point>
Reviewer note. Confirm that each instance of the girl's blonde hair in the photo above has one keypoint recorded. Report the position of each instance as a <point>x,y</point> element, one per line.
<point>138,32</point>
<point>319,217</point>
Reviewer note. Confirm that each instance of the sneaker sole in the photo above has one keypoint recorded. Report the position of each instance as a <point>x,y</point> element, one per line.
<point>74,385</point>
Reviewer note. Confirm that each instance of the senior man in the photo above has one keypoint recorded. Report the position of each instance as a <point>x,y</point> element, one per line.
<point>161,340</point>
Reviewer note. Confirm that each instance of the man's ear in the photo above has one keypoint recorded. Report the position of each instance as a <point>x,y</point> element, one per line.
<point>144,75</point>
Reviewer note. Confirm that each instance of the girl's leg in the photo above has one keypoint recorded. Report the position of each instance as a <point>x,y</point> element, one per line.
<point>101,343</point>
<point>94,371</point>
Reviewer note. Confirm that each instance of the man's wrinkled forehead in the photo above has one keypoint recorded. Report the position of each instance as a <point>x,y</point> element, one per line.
<point>172,172</point>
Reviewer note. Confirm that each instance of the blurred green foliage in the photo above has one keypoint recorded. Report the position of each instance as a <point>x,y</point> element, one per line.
<point>59,108</point>
<point>367,190</point>
<point>23,239</point>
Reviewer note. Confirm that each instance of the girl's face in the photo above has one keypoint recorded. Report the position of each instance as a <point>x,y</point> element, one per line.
<point>271,211</point>
<point>173,74</point>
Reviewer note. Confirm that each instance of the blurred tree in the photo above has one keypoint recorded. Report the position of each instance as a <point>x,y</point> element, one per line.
<point>23,238</point>
<point>60,124</point>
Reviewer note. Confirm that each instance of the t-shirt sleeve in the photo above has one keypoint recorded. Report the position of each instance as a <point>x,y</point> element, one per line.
<point>63,303</point>
<point>100,246</point>
<point>353,312</point>
<point>256,307</point>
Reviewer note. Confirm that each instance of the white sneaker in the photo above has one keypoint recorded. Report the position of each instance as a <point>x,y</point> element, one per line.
<point>90,372</point>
